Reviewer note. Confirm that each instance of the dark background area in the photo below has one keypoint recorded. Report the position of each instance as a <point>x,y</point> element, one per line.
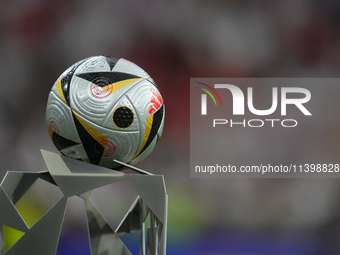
<point>173,41</point>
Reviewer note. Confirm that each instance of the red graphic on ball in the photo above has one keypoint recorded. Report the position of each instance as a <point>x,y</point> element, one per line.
<point>53,126</point>
<point>109,147</point>
<point>100,92</point>
<point>156,104</point>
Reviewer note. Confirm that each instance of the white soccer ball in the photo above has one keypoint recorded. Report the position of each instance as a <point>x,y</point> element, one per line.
<point>104,108</point>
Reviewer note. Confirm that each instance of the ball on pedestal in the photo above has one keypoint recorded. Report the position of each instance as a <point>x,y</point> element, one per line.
<point>104,108</point>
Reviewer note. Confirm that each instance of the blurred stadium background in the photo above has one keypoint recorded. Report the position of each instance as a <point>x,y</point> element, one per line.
<point>173,41</point>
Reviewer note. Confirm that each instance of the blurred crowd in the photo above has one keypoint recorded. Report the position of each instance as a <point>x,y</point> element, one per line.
<point>173,41</point>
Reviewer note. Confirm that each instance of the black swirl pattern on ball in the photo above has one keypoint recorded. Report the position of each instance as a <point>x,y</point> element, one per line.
<point>123,117</point>
<point>66,80</point>
<point>111,77</point>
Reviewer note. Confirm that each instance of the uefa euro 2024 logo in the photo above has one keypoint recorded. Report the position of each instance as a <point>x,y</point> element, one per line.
<point>239,105</point>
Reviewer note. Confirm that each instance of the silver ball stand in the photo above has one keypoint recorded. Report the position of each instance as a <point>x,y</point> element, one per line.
<point>77,178</point>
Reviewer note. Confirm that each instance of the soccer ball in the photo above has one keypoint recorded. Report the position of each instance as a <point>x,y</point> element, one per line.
<point>104,108</point>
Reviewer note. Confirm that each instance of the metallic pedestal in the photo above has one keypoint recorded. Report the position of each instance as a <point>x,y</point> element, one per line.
<point>77,178</point>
